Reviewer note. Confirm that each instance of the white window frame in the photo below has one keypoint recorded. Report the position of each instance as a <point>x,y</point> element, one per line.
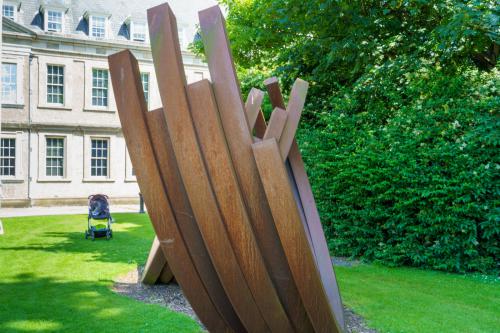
<point>91,20</point>
<point>10,81</point>
<point>55,157</point>
<point>11,166</point>
<point>46,18</point>
<point>87,146</point>
<point>68,64</point>
<point>42,157</point>
<point>104,166</point>
<point>18,175</point>
<point>19,61</point>
<point>63,75</point>
<point>147,92</point>
<point>154,100</point>
<point>14,6</point>
<point>90,65</point>
<point>134,26</point>
<point>104,88</point>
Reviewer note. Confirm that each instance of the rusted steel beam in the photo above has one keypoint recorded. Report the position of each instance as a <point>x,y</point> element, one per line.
<point>239,139</point>
<point>226,188</point>
<point>172,86</point>
<point>294,110</point>
<point>274,92</point>
<point>166,275</point>
<point>277,123</point>
<point>252,105</point>
<point>308,204</point>
<point>260,125</point>
<point>277,101</point>
<point>131,106</point>
<point>319,243</point>
<point>261,129</point>
<point>155,264</point>
<point>169,171</point>
<point>293,237</point>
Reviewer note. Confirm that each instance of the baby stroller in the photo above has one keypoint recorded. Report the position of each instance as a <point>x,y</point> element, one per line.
<point>98,210</point>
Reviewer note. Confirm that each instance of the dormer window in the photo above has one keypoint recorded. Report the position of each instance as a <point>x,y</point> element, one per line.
<point>54,20</point>
<point>138,31</point>
<point>97,26</point>
<point>9,10</point>
<point>98,23</point>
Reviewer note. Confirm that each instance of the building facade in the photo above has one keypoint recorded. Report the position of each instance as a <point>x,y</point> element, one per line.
<point>60,137</point>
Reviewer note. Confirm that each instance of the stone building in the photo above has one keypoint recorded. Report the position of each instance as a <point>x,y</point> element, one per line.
<point>61,138</point>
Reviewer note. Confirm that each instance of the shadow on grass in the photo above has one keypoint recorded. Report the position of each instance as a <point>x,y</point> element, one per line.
<point>35,304</point>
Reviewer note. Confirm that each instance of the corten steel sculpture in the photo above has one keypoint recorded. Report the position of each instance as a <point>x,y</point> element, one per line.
<point>227,194</point>
<point>156,268</point>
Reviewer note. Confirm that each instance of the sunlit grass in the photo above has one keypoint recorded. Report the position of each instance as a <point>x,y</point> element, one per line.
<point>34,325</point>
<point>52,279</point>
<point>413,300</point>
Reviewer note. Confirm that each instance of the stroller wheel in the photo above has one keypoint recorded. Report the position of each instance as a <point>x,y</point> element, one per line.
<point>86,234</point>
<point>108,235</point>
<point>92,236</point>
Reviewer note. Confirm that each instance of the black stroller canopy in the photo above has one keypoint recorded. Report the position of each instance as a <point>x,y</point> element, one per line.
<point>98,206</point>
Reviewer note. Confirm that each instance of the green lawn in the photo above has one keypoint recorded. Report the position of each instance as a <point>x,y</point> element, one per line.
<point>52,279</point>
<point>416,301</point>
<point>412,300</point>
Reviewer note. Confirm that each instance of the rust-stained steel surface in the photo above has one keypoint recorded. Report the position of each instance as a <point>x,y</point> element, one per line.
<point>225,185</point>
<point>156,268</point>
<point>172,86</point>
<point>277,123</point>
<point>293,236</point>
<point>228,195</point>
<point>311,215</point>
<point>252,106</point>
<point>239,140</point>
<point>164,153</point>
<point>130,101</point>
<point>294,110</point>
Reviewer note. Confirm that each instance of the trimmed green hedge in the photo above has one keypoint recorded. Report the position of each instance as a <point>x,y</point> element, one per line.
<point>414,178</point>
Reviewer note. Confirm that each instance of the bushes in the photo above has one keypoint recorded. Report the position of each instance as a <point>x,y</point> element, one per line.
<point>407,173</point>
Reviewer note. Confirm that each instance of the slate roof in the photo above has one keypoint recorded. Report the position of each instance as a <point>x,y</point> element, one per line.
<point>76,24</point>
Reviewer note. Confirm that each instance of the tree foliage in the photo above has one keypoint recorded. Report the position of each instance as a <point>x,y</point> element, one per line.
<point>401,129</point>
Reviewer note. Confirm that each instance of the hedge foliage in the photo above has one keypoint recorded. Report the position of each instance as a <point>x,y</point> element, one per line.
<point>401,131</point>
<point>415,184</point>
